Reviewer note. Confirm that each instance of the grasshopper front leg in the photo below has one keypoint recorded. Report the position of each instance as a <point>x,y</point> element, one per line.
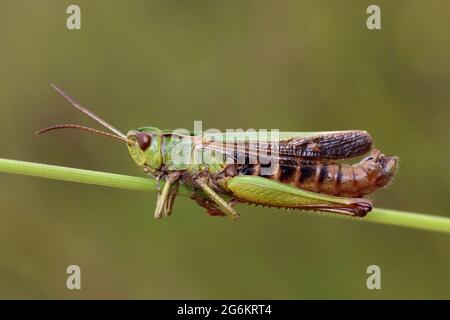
<point>167,195</point>
<point>171,199</point>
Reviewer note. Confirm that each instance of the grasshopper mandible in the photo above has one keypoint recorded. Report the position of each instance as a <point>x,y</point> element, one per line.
<point>306,176</point>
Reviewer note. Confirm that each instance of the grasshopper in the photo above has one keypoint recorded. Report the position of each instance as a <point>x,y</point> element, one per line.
<point>307,174</point>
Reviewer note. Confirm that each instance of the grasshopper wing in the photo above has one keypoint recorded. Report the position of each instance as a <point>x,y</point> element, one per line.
<point>329,145</point>
<point>289,145</point>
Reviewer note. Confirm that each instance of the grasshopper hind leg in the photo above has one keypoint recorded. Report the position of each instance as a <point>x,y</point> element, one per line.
<point>258,190</point>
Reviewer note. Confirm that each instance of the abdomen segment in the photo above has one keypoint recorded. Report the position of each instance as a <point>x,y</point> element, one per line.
<point>332,178</point>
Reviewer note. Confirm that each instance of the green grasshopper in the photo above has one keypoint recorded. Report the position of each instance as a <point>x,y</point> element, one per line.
<point>298,171</point>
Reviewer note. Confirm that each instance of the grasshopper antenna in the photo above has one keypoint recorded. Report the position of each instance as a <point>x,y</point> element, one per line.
<point>88,112</point>
<point>80,127</point>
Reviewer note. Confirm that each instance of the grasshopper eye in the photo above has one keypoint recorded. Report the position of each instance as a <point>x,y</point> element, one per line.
<point>144,140</point>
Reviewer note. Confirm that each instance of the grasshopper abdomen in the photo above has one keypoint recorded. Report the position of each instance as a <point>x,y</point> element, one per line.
<point>331,178</point>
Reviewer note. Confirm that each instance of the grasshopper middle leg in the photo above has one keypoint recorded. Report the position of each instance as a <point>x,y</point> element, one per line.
<point>215,200</point>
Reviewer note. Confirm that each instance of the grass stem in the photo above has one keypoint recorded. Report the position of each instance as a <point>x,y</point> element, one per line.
<point>377,215</point>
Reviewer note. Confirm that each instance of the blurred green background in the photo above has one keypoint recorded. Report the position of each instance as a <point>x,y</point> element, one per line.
<point>291,65</point>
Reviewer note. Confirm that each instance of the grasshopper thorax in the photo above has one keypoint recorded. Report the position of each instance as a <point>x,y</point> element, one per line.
<point>144,145</point>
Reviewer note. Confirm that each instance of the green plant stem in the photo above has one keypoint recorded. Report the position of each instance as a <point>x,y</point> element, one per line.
<point>82,176</point>
<point>384,216</point>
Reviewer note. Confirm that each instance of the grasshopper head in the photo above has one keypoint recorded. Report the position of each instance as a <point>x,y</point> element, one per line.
<point>144,145</point>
